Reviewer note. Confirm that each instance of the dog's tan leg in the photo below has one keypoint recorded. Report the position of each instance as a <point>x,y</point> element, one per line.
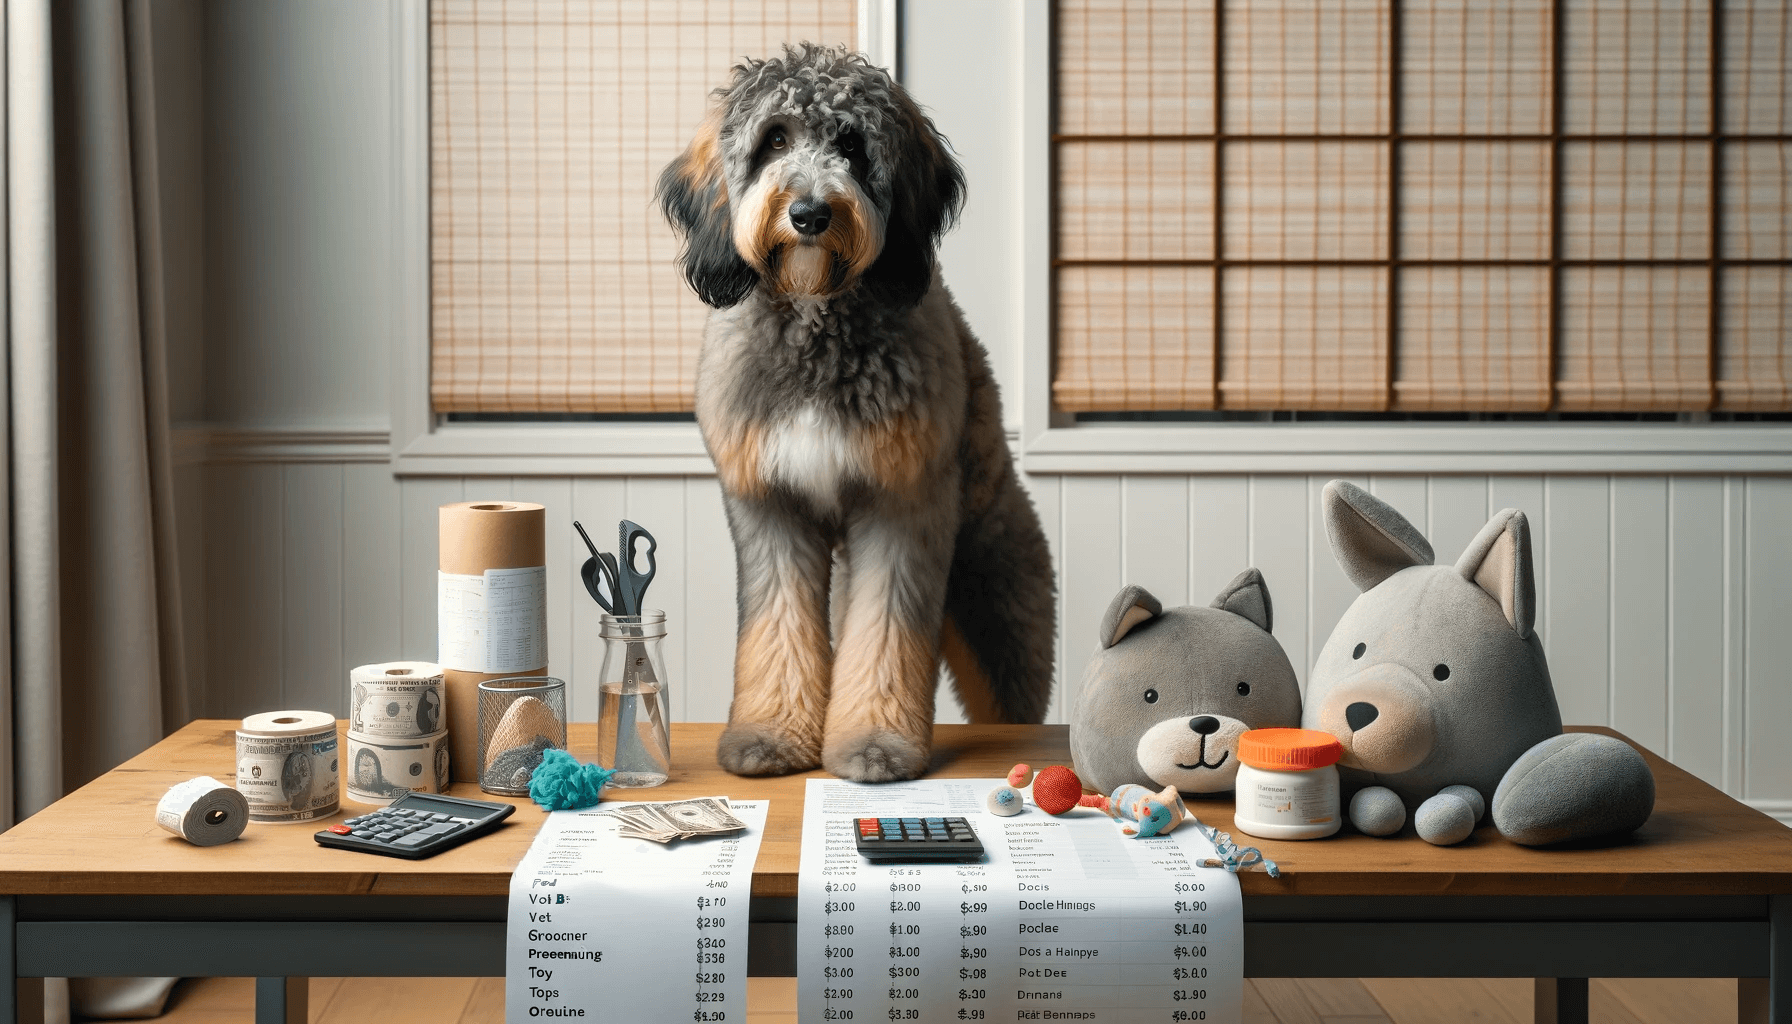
<point>782,657</point>
<point>880,716</point>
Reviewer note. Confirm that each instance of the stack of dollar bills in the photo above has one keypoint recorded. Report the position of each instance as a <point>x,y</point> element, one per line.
<point>677,819</point>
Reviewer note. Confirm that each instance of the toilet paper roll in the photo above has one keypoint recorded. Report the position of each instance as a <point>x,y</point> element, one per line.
<point>203,811</point>
<point>286,765</point>
<point>491,608</point>
<point>380,770</point>
<point>397,700</point>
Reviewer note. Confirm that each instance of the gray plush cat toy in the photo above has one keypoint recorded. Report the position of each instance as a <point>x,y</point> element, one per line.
<point>1166,698</point>
<point>1437,686</point>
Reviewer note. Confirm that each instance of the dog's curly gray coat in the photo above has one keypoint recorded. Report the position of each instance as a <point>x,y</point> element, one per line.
<point>877,519</point>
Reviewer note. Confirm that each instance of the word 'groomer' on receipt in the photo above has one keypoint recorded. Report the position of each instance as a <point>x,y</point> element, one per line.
<point>607,928</point>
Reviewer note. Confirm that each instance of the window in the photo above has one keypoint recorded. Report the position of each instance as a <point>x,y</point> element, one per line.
<point>1507,206</point>
<point>554,286</point>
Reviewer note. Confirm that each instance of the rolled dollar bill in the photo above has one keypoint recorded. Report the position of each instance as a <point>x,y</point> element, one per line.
<point>203,811</point>
<point>286,765</point>
<point>397,700</point>
<point>381,770</point>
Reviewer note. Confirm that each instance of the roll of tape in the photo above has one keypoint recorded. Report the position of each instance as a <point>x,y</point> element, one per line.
<point>380,769</point>
<point>397,700</point>
<point>286,765</point>
<point>203,811</point>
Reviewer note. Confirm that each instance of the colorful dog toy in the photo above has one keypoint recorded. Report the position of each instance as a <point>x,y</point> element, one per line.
<point>1157,813</point>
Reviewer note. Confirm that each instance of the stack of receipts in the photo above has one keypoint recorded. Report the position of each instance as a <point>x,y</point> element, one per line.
<point>1065,919</point>
<point>606,928</point>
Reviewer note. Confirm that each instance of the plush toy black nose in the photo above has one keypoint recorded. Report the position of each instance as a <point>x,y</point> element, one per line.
<point>1206,725</point>
<point>1360,715</point>
<point>810,216</point>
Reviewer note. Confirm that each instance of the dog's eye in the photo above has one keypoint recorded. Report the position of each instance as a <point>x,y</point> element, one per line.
<point>1244,688</point>
<point>1359,651</point>
<point>1441,673</point>
<point>847,142</point>
<point>777,139</point>
<point>1151,696</point>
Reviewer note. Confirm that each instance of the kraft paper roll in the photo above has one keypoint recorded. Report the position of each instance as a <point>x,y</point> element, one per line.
<point>381,770</point>
<point>474,536</point>
<point>397,699</point>
<point>203,811</point>
<point>286,765</point>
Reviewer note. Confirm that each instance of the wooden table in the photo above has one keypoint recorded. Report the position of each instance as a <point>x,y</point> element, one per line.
<point>93,887</point>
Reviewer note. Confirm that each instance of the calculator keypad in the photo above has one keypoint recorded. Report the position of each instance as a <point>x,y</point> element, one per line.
<point>943,838</point>
<point>404,829</point>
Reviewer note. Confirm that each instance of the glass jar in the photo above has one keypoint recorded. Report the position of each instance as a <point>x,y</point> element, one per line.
<point>632,737</point>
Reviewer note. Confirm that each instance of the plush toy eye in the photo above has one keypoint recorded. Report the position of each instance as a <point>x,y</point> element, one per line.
<point>1151,696</point>
<point>1441,673</point>
<point>1360,648</point>
<point>1244,688</point>
<point>776,139</point>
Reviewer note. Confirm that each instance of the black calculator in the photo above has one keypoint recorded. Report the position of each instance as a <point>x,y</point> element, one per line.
<point>417,825</point>
<point>917,839</point>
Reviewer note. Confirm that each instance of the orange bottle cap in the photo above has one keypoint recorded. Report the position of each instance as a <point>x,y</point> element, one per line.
<point>1289,749</point>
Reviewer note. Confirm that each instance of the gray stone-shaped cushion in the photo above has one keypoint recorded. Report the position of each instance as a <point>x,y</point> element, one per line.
<point>1574,786</point>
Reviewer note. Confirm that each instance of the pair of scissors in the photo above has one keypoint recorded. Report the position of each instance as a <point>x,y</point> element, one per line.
<point>617,584</point>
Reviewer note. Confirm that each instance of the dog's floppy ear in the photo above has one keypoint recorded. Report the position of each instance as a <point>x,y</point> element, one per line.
<point>1247,595</point>
<point>1370,539</point>
<point>1131,606</point>
<point>926,193</point>
<point>694,195</point>
<point>1498,560</point>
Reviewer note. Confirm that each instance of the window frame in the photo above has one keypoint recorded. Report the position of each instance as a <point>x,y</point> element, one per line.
<point>423,444</point>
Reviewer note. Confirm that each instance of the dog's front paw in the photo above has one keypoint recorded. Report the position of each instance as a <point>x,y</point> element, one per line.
<point>876,756</point>
<point>755,748</point>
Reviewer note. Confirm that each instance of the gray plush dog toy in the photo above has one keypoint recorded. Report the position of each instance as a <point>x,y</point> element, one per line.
<point>1437,686</point>
<point>1166,698</point>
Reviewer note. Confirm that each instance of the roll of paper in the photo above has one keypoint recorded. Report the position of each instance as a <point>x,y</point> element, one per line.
<point>491,608</point>
<point>397,700</point>
<point>286,765</point>
<point>203,811</point>
<point>381,770</point>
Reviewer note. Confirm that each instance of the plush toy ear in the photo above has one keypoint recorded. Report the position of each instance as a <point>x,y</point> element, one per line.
<point>694,195</point>
<point>1247,595</point>
<point>1498,560</point>
<point>1130,607</point>
<point>1370,540</point>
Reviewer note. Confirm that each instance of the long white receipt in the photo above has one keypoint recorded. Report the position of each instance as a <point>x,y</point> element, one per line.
<point>613,929</point>
<point>1065,920</point>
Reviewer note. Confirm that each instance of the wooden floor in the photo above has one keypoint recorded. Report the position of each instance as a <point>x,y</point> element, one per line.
<point>773,1001</point>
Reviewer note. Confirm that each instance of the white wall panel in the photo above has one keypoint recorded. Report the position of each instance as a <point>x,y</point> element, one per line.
<point>1663,601</point>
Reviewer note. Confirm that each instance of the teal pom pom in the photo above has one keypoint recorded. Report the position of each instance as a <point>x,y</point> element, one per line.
<point>561,783</point>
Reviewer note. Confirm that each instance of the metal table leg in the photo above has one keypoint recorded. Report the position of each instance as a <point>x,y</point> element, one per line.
<point>282,1000</point>
<point>1561,1001</point>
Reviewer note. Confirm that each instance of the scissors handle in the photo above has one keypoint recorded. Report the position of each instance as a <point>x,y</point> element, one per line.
<point>599,574</point>
<point>633,582</point>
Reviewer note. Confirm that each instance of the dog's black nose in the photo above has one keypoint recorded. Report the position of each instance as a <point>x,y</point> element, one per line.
<point>810,216</point>
<point>1206,725</point>
<point>1360,714</point>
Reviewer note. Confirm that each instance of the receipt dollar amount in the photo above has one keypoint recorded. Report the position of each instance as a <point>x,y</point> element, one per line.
<point>1065,919</point>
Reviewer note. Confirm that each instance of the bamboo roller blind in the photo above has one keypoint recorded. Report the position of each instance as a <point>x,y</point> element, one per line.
<point>554,286</point>
<point>1446,205</point>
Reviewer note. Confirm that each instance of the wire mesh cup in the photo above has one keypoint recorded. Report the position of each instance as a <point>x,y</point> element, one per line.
<point>520,717</point>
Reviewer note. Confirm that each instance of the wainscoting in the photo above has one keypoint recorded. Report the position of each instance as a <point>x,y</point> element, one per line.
<point>1666,601</point>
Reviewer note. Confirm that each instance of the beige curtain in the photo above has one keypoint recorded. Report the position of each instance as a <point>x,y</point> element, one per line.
<point>95,671</point>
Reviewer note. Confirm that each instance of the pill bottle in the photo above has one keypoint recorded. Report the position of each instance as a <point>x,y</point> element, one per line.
<point>1288,784</point>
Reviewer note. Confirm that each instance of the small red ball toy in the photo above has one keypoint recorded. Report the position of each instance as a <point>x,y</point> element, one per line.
<point>1056,789</point>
